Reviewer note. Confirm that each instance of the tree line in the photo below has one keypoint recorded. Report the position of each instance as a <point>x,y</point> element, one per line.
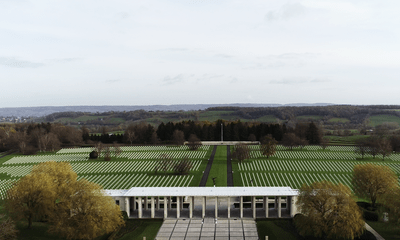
<point>29,137</point>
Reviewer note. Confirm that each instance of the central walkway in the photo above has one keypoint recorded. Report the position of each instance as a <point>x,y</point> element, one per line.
<point>208,229</point>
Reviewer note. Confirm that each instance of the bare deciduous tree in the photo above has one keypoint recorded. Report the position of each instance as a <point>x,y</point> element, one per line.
<point>194,142</point>
<point>241,152</point>
<point>178,137</point>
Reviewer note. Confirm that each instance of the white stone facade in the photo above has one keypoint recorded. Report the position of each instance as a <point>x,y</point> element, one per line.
<point>201,202</point>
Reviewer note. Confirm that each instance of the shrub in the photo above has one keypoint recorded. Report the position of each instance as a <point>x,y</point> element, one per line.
<point>8,230</point>
<point>30,150</point>
<point>93,155</point>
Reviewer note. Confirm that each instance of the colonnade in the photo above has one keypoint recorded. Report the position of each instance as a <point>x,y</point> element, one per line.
<point>135,206</point>
<point>237,202</point>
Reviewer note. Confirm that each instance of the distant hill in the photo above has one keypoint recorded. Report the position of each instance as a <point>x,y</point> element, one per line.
<point>46,110</point>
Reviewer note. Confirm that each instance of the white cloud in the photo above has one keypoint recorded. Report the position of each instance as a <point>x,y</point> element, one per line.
<point>206,49</point>
<point>17,63</point>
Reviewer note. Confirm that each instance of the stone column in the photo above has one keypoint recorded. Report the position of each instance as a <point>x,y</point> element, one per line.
<point>152,207</point>
<point>253,206</point>
<point>264,200</point>
<point>140,212</point>
<point>169,203</point>
<point>191,207</point>
<point>182,200</point>
<point>165,207</point>
<point>193,203</point>
<point>279,207</point>
<point>241,206</point>
<point>216,207</point>
<point>178,207</point>
<point>266,206</point>
<point>203,209</point>
<point>293,207</point>
<point>158,203</point>
<point>146,204</point>
<point>127,208</point>
<point>229,207</point>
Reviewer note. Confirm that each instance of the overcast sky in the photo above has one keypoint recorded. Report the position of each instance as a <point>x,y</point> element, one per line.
<point>95,52</point>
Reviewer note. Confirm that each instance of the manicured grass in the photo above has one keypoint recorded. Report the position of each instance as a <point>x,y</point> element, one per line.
<point>218,168</point>
<point>386,230</point>
<point>277,229</point>
<point>294,168</point>
<point>145,228</point>
<point>119,173</point>
<point>379,119</point>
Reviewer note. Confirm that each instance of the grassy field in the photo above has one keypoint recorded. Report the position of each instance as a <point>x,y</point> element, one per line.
<point>142,228</point>
<point>267,119</point>
<point>309,117</point>
<point>386,230</point>
<point>345,140</point>
<point>212,116</point>
<point>79,119</point>
<point>135,167</point>
<point>277,229</point>
<point>379,119</point>
<point>218,169</point>
<point>338,120</point>
<point>293,168</point>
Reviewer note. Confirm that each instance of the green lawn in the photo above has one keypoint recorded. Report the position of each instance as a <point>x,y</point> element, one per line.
<point>218,168</point>
<point>276,229</point>
<point>145,228</point>
<point>119,173</point>
<point>386,230</point>
<point>379,119</point>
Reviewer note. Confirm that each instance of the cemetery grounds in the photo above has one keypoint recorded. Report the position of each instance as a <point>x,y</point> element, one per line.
<point>306,165</point>
<point>134,167</point>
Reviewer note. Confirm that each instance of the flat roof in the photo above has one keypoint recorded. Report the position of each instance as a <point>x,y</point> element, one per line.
<point>204,191</point>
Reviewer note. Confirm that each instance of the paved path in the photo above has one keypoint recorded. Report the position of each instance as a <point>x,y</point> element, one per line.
<point>208,229</point>
<point>369,228</point>
<point>229,166</point>
<point>203,180</point>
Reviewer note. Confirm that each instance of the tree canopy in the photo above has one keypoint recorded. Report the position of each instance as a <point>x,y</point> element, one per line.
<point>194,142</point>
<point>373,181</point>
<point>268,146</point>
<point>328,211</point>
<point>75,209</point>
<point>241,152</point>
